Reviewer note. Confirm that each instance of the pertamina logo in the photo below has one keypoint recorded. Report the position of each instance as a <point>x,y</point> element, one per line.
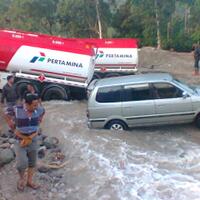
<point>55,61</point>
<point>37,58</point>
<point>100,54</point>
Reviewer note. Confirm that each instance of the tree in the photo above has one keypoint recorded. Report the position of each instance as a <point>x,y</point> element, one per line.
<point>83,18</point>
<point>147,19</point>
<point>194,21</point>
<point>4,6</point>
<point>43,15</point>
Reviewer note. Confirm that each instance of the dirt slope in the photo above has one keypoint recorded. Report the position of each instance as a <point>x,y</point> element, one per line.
<point>179,64</point>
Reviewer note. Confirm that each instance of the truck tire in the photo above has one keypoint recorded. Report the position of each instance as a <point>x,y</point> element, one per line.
<point>20,87</point>
<point>55,93</point>
<point>117,125</point>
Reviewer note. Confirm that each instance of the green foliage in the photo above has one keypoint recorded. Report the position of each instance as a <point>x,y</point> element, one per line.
<point>196,35</point>
<point>78,18</point>
<point>177,22</point>
<point>181,43</point>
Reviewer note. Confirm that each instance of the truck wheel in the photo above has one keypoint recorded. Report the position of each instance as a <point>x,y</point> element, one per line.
<point>117,125</point>
<point>21,87</point>
<point>55,93</point>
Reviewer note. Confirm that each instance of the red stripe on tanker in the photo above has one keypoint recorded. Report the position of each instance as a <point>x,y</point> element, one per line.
<point>69,75</point>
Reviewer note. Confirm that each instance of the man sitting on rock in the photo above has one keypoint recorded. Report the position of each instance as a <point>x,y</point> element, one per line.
<point>27,117</point>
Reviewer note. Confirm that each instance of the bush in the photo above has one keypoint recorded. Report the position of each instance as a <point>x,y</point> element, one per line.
<point>182,43</point>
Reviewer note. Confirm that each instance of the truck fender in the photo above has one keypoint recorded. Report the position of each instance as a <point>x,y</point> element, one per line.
<point>54,91</point>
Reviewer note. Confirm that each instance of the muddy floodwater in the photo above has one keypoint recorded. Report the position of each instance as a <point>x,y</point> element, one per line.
<point>144,163</point>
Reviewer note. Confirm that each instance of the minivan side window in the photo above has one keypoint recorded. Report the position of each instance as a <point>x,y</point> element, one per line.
<point>109,94</point>
<point>166,90</point>
<point>136,92</point>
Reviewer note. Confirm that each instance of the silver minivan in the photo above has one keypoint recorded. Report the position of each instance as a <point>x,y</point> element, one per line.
<point>141,100</point>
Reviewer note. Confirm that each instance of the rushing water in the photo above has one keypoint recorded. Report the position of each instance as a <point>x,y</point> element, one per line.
<point>151,163</point>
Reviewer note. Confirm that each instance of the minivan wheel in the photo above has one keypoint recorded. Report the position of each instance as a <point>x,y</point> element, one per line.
<point>116,125</point>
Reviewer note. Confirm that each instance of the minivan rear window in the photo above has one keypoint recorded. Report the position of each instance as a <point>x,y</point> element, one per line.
<point>109,94</point>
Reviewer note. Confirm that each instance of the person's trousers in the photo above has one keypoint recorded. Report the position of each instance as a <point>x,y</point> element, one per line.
<point>196,63</point>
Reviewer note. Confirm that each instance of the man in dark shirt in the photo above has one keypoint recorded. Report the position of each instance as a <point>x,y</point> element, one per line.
<point>31,89</point>
<point>9,92</point>
<point>196,59</point>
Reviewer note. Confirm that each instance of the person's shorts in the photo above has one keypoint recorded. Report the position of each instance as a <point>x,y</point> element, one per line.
<point>26,156</point>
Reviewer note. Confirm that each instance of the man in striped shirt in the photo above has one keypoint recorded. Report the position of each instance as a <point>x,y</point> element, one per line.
<point>27,118</point>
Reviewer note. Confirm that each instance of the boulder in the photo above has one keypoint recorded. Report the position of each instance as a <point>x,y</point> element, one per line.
<point>42,152</point>
<point>5,145</point>
<point>51,142</point>
<point>6,156</point>
<point>8,134</point>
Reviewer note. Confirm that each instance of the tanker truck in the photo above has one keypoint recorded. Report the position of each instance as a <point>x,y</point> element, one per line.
<point>114,57</point>
<point>59,68</point>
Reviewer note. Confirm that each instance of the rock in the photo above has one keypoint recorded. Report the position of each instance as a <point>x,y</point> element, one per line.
<point>11,141</point>
<point>43,169</point>
<point>50,195</point>
<point>54,190</point>
<point>42,152</point>
<point>8,134</point>
<point>51,142</point>
<point>45,178</point>
<point>12,147</point>
<point>55,150</point>
<point>5,145</point>
<point>6,156</point>
<point>3,140</point>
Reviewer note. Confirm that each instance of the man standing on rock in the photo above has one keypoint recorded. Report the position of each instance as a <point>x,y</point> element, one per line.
<point>27,117</point>
<point>196,59</point>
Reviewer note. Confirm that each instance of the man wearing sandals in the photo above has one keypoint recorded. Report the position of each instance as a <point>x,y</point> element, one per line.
<point>27,120</point>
